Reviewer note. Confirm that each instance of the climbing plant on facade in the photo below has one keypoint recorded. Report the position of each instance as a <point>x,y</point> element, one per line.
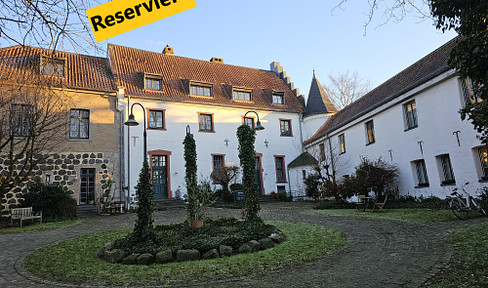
<point>194,205</point>
<point>247,158</point>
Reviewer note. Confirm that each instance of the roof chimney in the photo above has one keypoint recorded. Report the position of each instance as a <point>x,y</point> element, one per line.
<point>168,50</point>
<point>217,60</point>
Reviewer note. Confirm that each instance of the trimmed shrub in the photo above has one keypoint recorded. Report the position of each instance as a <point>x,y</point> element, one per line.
<point>53,200</point>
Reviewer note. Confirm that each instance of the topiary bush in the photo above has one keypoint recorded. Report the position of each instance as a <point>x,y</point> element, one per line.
<point>53,200</point>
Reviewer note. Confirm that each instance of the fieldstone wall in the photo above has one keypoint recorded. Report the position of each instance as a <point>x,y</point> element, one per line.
<point>64,169</point>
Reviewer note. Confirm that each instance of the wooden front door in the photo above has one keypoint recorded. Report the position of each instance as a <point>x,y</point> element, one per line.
<point>159,176</point>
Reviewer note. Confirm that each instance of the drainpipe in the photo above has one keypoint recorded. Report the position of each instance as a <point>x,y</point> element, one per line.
<point>129,198</point>
<point>300,119</point>
<point>331,157</point>
<point>121,109</point>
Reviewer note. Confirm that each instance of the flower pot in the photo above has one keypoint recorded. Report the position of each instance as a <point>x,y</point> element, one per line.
<point>196,224</point>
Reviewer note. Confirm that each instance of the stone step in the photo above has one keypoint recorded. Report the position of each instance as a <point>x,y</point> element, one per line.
<point>86,210</point>
<point>169,204</point>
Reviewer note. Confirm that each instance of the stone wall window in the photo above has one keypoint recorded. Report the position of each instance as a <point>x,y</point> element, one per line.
<point>79,124</point>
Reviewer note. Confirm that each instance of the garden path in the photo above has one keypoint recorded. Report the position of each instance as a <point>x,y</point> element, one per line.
<point>377,254</point>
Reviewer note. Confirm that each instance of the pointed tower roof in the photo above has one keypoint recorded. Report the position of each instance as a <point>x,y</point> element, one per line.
<point>318,102</point>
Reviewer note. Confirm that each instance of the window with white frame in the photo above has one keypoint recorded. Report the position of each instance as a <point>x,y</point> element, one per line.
<point>201,90</point>
<point>242,95</point>
<point>369,132</point>
<point>279,98</point>
<point>447,174</point>
<point>153,82</point>
<point>483,154</point>
<point>79,124</point>
<point>422,180</point>
<point>410,114</point>
<point>156,119</point>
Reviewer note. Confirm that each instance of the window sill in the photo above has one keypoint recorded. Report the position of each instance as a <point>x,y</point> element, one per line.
<point>411,128</point>
<point>160,129</point>
<point>79,139</point>
<point>342,153</point>
<point>281,182</point>
<point>422,185</point>
<point>448,183</point>
<point>286,135</point>
<point>367,144</point>
<point>206,131</point>
<point>483,179</point>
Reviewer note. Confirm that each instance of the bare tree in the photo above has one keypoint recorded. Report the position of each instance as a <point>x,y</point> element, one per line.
<point>33,117</point>
<point>392,10</point>
<point>45,23</point>
<point>344,88</point>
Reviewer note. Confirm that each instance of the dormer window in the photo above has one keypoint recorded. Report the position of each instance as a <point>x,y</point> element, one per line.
<point>52,66</point>
<point>153,82</point>
<point>200,89</point>
<point>242,94</point>
<point>279,98</point>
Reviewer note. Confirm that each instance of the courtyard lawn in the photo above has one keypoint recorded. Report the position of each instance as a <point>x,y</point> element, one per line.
<point>75,261</point>
<point>39,227</point>
<point>406,215</point>
<point>469,266</point>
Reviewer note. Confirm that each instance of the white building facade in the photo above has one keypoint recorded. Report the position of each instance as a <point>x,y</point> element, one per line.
<point>413,122</point>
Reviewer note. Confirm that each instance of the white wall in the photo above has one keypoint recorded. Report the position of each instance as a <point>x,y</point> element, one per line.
<point>226,122</point>
<point>437,113</point>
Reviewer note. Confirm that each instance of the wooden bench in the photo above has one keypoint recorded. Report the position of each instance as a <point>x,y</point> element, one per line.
<point>23,214</point>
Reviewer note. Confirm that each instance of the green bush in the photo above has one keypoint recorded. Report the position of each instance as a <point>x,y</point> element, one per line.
<point>53,200</point>
<point>483,198</point>
<point>334,204</point>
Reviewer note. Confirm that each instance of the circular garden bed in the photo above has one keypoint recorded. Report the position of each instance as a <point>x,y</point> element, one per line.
<point>177,242</point>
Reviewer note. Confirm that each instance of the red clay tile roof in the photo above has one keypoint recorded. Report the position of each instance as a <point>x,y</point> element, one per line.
<point>129,66</point>
<point>81,71</point>
<point>420,72</point>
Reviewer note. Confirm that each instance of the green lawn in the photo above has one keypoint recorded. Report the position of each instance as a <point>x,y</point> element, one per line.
<point>469,266</point>
<point>39,227</point>
<point>75,261</point>
<point>407,215</point>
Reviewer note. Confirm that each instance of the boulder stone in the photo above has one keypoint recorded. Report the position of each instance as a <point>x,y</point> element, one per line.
<point>225,250</point>
<point>131,259</point>
<point>245,248</point>
<point>277,237</point>
<point>266,243</point>
<point>115,255</point>
<point>145,259</point>
<point>212,254</point>
<point>187,255</point>
<point>165,256</point>
<point>254,245</point>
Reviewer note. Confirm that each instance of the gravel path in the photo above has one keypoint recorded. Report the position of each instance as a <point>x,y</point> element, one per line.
<point>377,254</point>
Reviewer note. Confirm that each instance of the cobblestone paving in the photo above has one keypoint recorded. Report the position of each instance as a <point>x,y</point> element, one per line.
<point>378,253</point>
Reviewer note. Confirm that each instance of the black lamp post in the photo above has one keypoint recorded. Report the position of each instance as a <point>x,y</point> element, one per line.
<point>258,127</point>
<point>132,122</point>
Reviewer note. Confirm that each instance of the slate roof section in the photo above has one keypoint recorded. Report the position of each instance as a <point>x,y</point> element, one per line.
<point>318,102</point>
<point>130,64</point>
<point>304,159</point>
<point>420,72</point>
<point>81,71</point>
